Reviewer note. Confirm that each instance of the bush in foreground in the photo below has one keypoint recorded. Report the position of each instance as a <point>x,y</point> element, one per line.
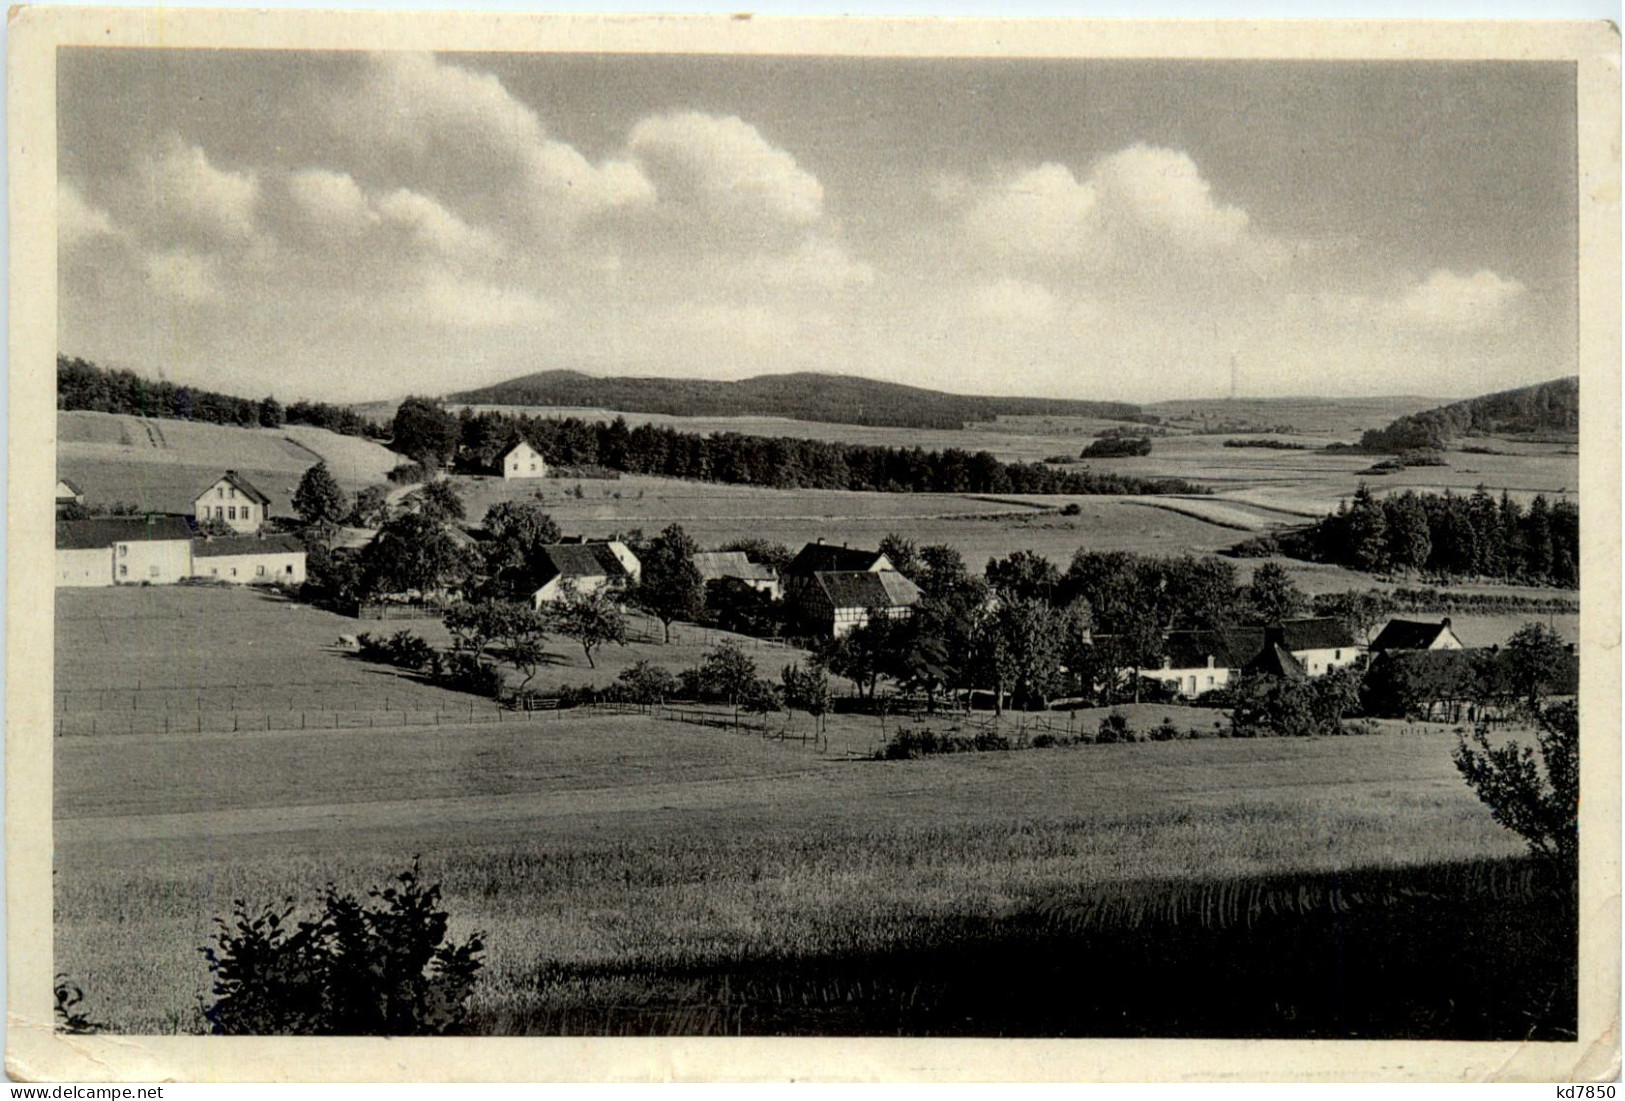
<point>379,969</point>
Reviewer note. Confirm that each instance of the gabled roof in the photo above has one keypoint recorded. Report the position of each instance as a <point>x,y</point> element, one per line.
<point>1408,634</point>
<point>244,486</point>
<point>1274,661</point>
<point>522,443</point>
<point>867,588</point>
<point>569,560</point>
<point>222,545</point>
<point>1297,635</point>
<point>1191,649</point>
<point>105,531</point>
<point>73,487</point>
<point>716,565</point>
<point>821,557</point>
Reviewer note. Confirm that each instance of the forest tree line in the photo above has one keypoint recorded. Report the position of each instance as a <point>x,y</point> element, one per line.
<point>428,434</point>
<point>1447,536</point>
<point>82,385</point>
<point>1548,407</point>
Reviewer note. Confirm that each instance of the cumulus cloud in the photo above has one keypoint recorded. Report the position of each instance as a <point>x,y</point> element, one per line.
<point>331,201</point>
<point>1446,300</point>
<point>178,192</point>
<point>468,123</point>
<point>1134,207</point>
<point>1014,300</point>
<point>76,219</point>
<point>434,228</point>
<point>723,166</point>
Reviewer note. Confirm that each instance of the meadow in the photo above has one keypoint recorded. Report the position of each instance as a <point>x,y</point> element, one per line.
<point>629,861</point>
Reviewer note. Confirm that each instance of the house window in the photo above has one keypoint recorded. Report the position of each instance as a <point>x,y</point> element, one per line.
<point>220,492</point>
<point>124,571</point>
<point>231,513</point>
<point>1210,682</point>
<point>287,569</point>
<point>152,571</point>
<point>233,493</point>
<point>234,571</point>
<point>214,571</point>
<point>123,551</point>
<point>1337,655</point>
<point>259,571</point>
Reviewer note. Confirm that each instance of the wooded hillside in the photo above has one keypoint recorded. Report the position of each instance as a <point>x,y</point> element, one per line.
<point>839,399</point>
<point>1549,407</point>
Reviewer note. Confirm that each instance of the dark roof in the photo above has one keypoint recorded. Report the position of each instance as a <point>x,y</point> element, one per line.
<point>1274,661</point>
<point>716,565</point>
<point>222,545</point>
<point>867,589</point>
<point>824,557</point>
<point>580,560</point>
<point>105,531</point>
<point>1296,635</point>
<point>244,486</point>
<point>1408,634</point>
<point>1190,649</point>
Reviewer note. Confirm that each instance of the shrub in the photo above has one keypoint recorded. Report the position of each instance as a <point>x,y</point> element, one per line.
<point>1165,731</point>
<point>1043,741</point>
<point>1542,809</point>
<point>408,474</point>
<point>1071,508</point>
<point>1115,728</point>
<point>463,672</point>
<point>383,968</point>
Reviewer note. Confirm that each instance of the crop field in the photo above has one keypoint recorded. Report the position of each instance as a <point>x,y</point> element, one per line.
<point>591,849</point>
<point>163,464</point>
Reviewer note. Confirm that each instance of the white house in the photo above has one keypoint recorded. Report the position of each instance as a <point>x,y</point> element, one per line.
<point>839,601</point>
<point>734,565</point>
<point>154,550</point>
<point>585,568</point>
<point>250,560</point>
<point>523,461</point>
<point>235,502</point>
<point>1412,634</point>
<point>1195,662</point>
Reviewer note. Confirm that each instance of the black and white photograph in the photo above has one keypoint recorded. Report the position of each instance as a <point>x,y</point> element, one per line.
<point>572,541</point>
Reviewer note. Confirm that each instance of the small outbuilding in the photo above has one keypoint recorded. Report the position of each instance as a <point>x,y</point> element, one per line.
<point>1414,634</point>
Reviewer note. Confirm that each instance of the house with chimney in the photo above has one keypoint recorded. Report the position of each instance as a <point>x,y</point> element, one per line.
<point>1195,662</point>
<point>123,550</point>
<point>234,501</point>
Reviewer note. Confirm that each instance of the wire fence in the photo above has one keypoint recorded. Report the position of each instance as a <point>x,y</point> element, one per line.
<point>477,713</point>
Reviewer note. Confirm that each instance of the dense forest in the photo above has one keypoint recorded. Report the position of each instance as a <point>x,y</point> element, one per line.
<point>82,385</point>
<point>1550,407</point>
<point>1448,536</point>
<point>426,433</point>
<point>837,399</point>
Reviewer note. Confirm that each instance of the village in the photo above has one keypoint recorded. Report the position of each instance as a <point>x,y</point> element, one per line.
<point>1024,635</point>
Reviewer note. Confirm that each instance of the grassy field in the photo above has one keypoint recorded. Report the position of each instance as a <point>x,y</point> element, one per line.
<point>609,845</point>
<point>163,464</point>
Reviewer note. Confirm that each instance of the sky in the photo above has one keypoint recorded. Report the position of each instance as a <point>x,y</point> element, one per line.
<point>353,226</point>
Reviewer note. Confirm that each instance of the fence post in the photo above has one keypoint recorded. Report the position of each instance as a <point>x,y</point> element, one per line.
<point>235,722</point>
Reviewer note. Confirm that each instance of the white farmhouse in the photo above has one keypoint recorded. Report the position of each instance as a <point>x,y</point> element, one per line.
<point>585,568</point>
<point>155,550</point>
<point>250,560</point>
<point>235,502</point>
<point>523,461</point>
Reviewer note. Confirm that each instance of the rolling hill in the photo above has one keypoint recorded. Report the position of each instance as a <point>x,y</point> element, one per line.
<point>1547,408</point>
<point>808,396</point>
